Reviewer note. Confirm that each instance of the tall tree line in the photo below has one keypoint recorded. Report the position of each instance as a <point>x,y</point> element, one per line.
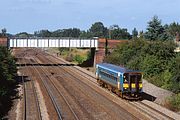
<point>154,31</point>
<point>96,30</point>
<point>8,73</point>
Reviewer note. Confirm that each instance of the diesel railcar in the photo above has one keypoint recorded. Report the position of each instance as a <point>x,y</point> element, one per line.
<point>124,82</point>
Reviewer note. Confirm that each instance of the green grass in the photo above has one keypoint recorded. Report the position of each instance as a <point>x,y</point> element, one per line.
<point>173,102</point>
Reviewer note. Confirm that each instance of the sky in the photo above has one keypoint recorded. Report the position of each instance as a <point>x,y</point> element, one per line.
<point>32,15</point>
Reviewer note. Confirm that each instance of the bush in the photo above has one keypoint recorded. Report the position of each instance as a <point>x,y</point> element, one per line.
<point>156,59</point>
<point>150,65</point>
<point>80,59</point>
<point>8,73</point>
<point>173,102</point>
<point>70,57</point>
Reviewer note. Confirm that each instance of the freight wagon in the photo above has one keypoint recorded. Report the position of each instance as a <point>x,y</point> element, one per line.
<point>124,82</point>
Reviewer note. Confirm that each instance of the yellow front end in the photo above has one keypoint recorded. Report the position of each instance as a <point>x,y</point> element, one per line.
<point>125,85</point>
<point>140,85</point>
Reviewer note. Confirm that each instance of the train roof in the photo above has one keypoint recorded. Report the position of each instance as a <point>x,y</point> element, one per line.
<point>116,68</point>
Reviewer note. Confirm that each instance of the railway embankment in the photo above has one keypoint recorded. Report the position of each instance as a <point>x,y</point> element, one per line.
<point>79,78</point>
<point>152,92</point>
<point>158,94</point>
<point>153,96</point>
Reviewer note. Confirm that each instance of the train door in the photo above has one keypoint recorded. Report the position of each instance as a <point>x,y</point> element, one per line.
<point>134,83</point>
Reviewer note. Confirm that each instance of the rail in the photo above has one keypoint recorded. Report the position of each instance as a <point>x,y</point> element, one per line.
<point>25,94</point>
<point>145,111</point>
<point>58,110</point>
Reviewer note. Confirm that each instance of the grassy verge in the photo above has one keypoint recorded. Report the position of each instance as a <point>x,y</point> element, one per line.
<point>75,55</point>
<point>173,103</point>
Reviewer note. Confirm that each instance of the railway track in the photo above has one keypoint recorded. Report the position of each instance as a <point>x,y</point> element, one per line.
<point>53,91</point>
<point>72,76</point>
<point>31,108</point>
<point>145,108</point>
<point>32,72</point>
<point>57,108</point>
<point>150,112</point>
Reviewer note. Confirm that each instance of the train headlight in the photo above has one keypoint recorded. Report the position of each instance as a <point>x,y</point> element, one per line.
<point>133,85</point>
<point>125,85</point>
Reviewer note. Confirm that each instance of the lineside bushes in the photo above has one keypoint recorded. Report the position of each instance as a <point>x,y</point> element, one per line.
<point>8,73</point>
<point>74,55</point>
<point>157,59</point>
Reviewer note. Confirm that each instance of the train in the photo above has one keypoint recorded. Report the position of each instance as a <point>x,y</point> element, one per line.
<point>126,83</point>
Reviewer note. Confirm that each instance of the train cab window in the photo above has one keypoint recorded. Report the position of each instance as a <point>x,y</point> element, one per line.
<point>133,78</point>
<point>139,78</point>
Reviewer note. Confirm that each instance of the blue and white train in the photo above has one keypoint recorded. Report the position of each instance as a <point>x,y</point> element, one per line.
<point>124,82</point>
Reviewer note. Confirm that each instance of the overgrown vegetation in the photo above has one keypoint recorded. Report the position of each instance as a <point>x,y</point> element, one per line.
<point>157,59</point>
<point>7,75</point>
<point>74,55</point>
<point>153,53</point>
<point>173,102</point>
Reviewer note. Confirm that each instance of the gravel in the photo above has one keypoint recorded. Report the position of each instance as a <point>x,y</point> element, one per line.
<point>159,93</point>
<point>162,109</point>
<point>155,96</point>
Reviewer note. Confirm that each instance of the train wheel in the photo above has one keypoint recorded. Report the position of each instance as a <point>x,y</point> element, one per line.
<point>118,93</point>
<point>121,95</point>
<point>101,84</point>
<point>109,88</point>
<point>113,90</point>
<point>105,85</point>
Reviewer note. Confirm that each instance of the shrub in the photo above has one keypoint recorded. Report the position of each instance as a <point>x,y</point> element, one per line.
<point>70,57</point>
<point>173,102</point>
<point>151,66</point>
<point>156,59</point>
<point>80,59</point>
<point>8,73</point>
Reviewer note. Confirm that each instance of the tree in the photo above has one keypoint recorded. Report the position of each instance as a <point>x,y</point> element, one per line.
<point>134,33</point>
<point>155,31</point>
<point>75,32</point>
<point>70,32</point>
<point>42,33</point>
<point>141,35</point>
<point>3,32</point>
<point>117,33</point>
<point>98,30</point>
<point>57,33</point>
<point>85,34</point>
<point>8,73</point>
<point>154,58</point>
<point>23,35</point>
<point>174,28</point>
